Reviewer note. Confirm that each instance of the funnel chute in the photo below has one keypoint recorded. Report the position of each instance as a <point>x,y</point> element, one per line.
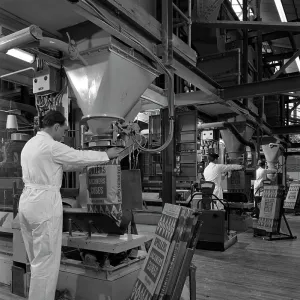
<point>272,153</point>
<point>233,145</point>
<point>109,86</point>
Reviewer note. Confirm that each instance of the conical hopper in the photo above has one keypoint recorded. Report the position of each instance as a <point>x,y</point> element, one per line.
<point>109,86</point>
<point>234,147</point>
<point>272,153</point>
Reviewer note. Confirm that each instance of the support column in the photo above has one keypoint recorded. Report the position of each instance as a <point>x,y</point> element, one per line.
<point>259,66</point>
<point>245,48</point>
<point>168,155</point>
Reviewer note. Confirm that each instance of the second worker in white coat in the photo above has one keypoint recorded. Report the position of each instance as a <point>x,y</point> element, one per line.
<point>213,172</point>
<point>43,160</point>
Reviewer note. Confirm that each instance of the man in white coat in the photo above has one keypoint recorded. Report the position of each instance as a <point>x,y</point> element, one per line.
<point>261,176</point>
<point>43,160</point>
<point>213,172</point>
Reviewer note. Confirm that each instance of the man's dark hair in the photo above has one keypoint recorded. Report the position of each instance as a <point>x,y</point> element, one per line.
<point>212,157</point>
<point>53,117</point>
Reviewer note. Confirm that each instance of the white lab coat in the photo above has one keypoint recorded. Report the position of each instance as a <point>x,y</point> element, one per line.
<point>40,208</point>
<point>261,175</point>
<point>213,172</point>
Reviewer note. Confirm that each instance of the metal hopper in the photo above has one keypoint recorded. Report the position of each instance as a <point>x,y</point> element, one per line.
<point>234,147</point>
<point>272,153</point>
<point>109,86</point>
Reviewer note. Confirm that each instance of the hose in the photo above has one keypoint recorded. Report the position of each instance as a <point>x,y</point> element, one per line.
<point>170,94</point>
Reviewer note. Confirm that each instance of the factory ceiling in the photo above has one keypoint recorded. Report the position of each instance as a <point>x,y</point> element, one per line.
<point>51,16</point>
<point>278,47</point>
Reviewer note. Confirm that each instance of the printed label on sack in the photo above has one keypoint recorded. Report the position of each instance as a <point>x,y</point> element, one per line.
<point>104,184</point>
<point>97,186</point>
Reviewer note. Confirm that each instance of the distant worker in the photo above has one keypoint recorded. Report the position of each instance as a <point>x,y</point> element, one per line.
<point>261,176</point>
<point>213,172</point>
<point>43,160</point>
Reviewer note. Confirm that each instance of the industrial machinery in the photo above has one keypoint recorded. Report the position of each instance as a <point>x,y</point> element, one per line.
<point>186,139</point>
<point>100,251</point>
<point>219,230</point>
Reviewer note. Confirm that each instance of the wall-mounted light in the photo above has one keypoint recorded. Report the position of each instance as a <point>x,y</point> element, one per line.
<point>21,54</point>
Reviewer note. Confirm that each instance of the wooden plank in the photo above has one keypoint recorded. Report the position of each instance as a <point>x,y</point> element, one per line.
<point>252,269</point>
<point>148,23</point>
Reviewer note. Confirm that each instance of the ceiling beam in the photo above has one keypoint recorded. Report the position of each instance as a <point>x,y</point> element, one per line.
<point>286,65</point>
<point>267,87</point>
<point>269,57</point>
<point>6,105</point>
<point>269,36</point>
<point>10,64</point>
<point>16,78</point>
<point>14,23</point>
<point>10,93</point>
<point>155,96</point>
<point>294,129</point>
<point>252,25</point>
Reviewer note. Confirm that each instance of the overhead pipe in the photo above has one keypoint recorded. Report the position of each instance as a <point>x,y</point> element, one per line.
<point>229,126</point>
<point>34,35</point>
<point>21,38</point>
<point>69,49</point>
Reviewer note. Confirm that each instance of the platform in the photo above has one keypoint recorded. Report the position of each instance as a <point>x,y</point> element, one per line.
<point>105,242</point>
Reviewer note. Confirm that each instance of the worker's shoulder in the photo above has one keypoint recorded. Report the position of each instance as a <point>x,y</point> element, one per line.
<point>37,143</point>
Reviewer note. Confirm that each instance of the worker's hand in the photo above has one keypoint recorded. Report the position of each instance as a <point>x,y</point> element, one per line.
<point>114,152</point>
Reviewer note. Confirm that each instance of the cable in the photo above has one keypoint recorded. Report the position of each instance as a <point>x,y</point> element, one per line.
<point>160,63</point>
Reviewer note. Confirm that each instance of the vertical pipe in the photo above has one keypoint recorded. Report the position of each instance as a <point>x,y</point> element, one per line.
<point>259,65</point>
<point>167,31</point>
<point>245,47</point>
<point>281,110</point>
<point>168,155</point>
<point>239,66</point>
<point>190,23</point>
<point>287,114</point>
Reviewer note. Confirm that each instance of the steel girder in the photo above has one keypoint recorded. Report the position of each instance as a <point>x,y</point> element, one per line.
<point>253,25</point>
<point>267,87</point>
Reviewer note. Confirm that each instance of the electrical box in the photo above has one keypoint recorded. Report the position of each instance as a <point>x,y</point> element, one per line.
<point>47,81</point>
<point>207,135</point>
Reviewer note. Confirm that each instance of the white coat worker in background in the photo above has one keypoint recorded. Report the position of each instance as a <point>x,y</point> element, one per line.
<point>261,176</point>
<point>43,160</point>
<point>213,172</point>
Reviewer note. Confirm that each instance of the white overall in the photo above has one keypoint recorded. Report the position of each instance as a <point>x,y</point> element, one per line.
<point>43,161</point>
<point>213,172</point>
<point>40,215</point>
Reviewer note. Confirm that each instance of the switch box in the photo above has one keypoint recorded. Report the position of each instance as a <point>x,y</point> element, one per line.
<point>207,135</point>
<point>47,81</point>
